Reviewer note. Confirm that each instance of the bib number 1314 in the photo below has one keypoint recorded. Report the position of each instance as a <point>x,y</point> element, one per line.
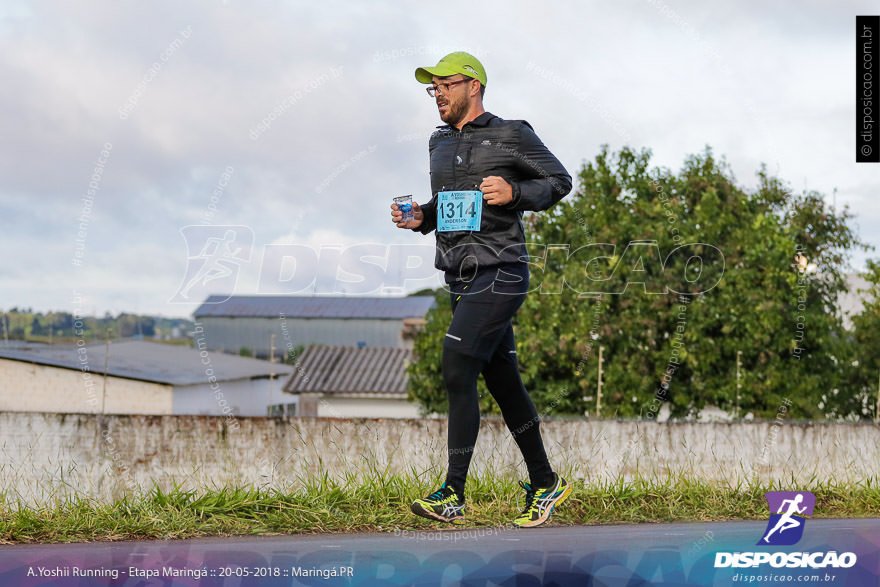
<point>459,210</point>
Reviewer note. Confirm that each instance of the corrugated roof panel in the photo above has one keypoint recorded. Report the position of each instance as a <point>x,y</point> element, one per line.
<point>357,373</point>
<point>315,363</point>
<point>334,369</point>
<point>327,367</point>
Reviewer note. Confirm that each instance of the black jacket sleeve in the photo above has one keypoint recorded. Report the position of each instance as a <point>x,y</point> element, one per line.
<point>429,222</point>
<point>545,179</point>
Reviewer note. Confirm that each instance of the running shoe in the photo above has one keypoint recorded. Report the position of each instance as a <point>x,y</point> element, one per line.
<point>444,505</point>
<point>541,501</point>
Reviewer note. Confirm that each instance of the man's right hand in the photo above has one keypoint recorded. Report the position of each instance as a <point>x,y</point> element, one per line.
<point>397,216</point>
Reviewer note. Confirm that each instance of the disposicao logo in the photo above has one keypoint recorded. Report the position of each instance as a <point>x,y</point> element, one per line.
<point>786,526</point>
<point>788,514</point>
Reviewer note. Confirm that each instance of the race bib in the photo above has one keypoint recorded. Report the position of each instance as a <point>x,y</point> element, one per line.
<point>459,210</point>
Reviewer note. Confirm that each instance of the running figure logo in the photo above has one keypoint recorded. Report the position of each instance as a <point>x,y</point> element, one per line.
<point>219,253</point>
<point>786,526</point>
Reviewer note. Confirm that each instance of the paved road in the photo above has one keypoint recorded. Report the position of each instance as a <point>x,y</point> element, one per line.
<point>630,555</point>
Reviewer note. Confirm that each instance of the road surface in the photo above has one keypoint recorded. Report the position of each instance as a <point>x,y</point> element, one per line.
<point>626,555</point>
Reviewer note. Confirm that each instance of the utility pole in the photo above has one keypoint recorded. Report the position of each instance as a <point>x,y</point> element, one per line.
<point>738,379</point>
<point>599,390</point>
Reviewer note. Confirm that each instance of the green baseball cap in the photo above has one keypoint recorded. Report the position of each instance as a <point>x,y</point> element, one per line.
<point>458,62</point>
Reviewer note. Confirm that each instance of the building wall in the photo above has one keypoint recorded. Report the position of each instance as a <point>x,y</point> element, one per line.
<point>26,387</point>
<point>54,455</point>
<point>850,301</point>
<point>230,334</point>
<point>333,407</point>
<point>244,397</point>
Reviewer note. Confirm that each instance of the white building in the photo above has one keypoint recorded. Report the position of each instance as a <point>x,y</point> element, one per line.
<point>271,326</point>
<point>351,382</point>
<point>138,377</point>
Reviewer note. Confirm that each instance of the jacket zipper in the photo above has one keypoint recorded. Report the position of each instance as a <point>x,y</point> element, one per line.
<point>454,162</point>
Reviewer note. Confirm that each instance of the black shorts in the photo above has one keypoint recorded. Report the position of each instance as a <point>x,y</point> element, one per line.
<point>482,310</point>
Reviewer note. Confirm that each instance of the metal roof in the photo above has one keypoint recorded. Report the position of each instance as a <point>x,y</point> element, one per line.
<point>315,307</point>
<point>341,369</point>
<point>149,361</point>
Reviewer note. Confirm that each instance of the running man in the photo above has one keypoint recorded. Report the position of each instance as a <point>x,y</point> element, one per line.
<point>786,521</point>
<point>485,172</point>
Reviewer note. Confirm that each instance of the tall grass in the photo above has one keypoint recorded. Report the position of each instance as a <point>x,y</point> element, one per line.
<point>380,503</point>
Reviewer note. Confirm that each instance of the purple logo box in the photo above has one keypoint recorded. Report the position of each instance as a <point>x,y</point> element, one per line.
<point>788,513</point>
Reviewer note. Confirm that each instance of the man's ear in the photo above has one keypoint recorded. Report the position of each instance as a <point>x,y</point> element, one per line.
<point>476,92</point>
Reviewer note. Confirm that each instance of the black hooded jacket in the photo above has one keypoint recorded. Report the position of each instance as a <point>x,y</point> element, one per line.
<point>486,146</point>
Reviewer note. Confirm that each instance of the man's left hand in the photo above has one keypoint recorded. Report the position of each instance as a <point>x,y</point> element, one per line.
<point>496,190</point>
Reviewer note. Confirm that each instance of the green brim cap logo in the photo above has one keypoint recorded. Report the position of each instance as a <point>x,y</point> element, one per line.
<point>458,62</point>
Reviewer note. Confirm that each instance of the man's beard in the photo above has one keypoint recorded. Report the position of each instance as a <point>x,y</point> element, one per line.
<point>455,112</point>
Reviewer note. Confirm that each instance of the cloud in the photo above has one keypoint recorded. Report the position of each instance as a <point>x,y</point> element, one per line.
<point>759,83</point>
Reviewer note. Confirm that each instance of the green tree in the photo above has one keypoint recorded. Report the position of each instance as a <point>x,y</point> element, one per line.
<point>865,367</point>
<point>673,275</point>
<point>425,379</point>
<point>37,329</point>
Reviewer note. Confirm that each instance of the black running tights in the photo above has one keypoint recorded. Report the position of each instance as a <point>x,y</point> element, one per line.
<point>501,373</point>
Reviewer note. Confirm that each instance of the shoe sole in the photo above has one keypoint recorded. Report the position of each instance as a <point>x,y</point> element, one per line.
<point>418,510</point>
<point>532,523</point>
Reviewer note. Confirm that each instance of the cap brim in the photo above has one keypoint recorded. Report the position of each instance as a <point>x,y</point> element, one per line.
<point>426,75</point>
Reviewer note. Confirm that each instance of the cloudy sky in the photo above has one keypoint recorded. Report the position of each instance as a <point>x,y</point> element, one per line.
<point>289,126</point>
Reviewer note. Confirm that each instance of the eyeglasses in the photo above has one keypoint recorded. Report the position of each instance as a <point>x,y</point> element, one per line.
<point>444,86</point>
